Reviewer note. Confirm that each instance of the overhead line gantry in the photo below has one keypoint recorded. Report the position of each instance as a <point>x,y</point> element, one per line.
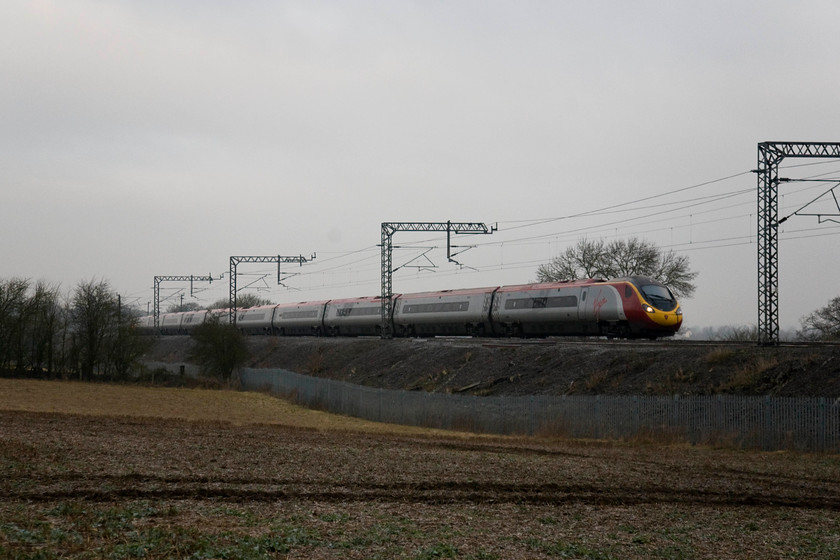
<point>279,259</point>
<point>190,279</point>
<point>770,155</point>
<point>388,231</point>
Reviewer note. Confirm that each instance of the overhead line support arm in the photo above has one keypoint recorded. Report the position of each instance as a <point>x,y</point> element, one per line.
<point>387,245</point>
<point>279,259</point>
<point>159,279</point>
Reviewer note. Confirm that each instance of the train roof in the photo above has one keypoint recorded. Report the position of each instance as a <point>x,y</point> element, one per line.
<point>552,285</point>
<point>640,280</point>
<point>461,291</point>
<point>363,299</point>
<point>299,303</point>
<point>256,308</point>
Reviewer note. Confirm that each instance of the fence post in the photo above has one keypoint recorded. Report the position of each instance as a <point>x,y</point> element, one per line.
<point>531,429</point>
<point>821,420</point>
<point>598,417</point>
<point>767,443</point>
<point>637,416</point>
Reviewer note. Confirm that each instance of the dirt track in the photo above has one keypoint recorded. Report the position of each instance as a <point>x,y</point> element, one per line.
<point>298,493</point>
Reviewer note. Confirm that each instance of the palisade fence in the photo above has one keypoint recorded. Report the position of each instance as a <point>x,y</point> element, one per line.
<point>769,423</point>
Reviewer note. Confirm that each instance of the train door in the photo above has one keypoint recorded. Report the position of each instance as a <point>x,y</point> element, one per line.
<point>584,311</point>
<point>589,310</point>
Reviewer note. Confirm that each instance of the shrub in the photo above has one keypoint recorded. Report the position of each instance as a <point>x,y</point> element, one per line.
<point>219,348</point>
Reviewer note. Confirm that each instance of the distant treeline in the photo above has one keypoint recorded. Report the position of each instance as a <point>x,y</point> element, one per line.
<point>85,334</point>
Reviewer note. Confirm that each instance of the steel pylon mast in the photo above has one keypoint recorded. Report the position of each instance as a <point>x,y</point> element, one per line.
<point>388,231</point>
<point>159,279</point>
<point>279,259</point>
<point>770,155</point>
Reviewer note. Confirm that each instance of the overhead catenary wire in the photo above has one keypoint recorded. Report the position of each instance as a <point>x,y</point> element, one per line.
<point>623,204</point>
<point>360,267</point>
<point>666,208</point>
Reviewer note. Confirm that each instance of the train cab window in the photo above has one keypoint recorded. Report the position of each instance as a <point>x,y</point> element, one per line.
<point>659,296</point>
<point>628,291</point>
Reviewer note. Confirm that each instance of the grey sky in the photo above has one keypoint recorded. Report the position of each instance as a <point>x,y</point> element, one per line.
<point>160,138</point>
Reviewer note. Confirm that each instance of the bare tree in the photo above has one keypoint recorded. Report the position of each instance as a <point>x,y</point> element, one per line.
<point>673,271</point>
<point>43,329</point>
<point>180,307</point>
<point>822,324</point>
<point>632,257</point>
<point>584,260</point>
<point>219,348</point>
<point>243,301</point>
<point>13,304</point>
<point>93,320</point>
<point>125,347</point>
<point>86,333</point>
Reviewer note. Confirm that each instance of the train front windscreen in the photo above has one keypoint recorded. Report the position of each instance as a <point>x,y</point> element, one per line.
<point>659,296</point>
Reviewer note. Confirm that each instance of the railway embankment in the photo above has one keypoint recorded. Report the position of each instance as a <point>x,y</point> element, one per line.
<point>544,367</point>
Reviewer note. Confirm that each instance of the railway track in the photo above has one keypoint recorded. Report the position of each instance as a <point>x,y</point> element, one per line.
<point>602,343</point>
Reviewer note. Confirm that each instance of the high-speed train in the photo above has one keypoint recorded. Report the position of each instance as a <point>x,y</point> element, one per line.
<point>632,307</point>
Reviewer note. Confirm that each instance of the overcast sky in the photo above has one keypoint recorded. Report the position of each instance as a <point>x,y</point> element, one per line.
<point>149,138</point>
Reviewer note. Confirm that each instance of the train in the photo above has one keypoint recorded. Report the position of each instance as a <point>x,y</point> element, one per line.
<point>632,307</point>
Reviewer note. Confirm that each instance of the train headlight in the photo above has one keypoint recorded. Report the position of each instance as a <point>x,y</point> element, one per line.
<point>648,308</point>
<point>679,311</point>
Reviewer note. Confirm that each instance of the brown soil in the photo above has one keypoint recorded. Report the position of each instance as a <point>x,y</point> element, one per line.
<point>123,487</point>
<point>546,367</point>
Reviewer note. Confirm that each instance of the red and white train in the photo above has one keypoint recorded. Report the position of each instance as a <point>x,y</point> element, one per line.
<point>633,307</point>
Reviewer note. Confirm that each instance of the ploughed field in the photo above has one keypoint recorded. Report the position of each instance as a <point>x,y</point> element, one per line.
<point>95,471</point>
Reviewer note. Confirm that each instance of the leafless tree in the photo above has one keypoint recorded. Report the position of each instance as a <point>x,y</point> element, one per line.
<point>42,330</point>
<point>13,303</point>
<point>180,307</point>
<point>822,324</point>
<point>620,258</point>
<point>243,301</point>
<point>219,348</point>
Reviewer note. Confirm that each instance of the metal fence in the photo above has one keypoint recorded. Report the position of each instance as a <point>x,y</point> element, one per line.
<point>770,423</point>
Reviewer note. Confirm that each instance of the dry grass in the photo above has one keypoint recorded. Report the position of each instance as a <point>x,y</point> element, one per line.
<point>748,374</point>
<point>720,356</point>
<point>99,471</point>
<point>596,379</point>
<point>238,408</point>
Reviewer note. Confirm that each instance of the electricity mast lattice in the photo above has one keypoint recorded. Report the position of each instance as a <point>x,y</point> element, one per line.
<point>770,155</point>
<point>388,231</point>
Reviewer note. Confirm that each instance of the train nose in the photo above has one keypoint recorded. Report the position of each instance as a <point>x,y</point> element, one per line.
<point>667,319</point>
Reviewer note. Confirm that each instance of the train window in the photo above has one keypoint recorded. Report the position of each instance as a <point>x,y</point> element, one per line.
<point>583,296</point>
<point>659,296</point>
<point>628,291</point>
<point>441,307</point>
<point>356,311</point>
<point>304,314</point>
<point>540,303</point>
<point>562,301</point>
